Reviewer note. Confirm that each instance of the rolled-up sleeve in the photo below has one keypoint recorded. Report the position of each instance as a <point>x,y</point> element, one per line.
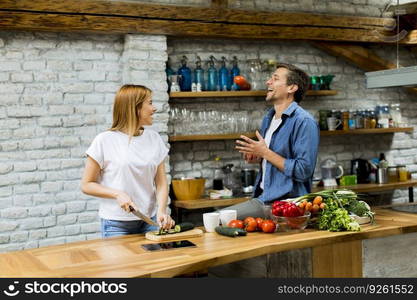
<point>304,147</point>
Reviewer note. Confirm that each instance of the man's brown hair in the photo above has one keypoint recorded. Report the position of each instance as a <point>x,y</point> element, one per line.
<point>296,76</point>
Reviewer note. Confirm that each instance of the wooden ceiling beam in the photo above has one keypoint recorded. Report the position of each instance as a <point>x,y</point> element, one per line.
<point>116,25</point>
<point>217,13</point>
<point>359,56</point>
<point>121,17</point>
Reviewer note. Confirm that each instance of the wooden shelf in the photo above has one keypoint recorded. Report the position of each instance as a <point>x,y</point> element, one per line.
<point>225,94</point>
<point>366,131</point>
<point>374,187</point>
<point>209,137</point>
<point>206,202</point>
<point>234,136</point>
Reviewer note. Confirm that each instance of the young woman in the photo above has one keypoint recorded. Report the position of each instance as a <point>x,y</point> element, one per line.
<point>125,167</point>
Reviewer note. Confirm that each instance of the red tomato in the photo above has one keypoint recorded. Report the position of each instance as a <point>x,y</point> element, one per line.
<point>240,80</point>
<point>268,226</point>
<point>245,87</point>
<point>259,223</point>
<point>250,224</point>
<point>236,224</point>
<point>291,210</point>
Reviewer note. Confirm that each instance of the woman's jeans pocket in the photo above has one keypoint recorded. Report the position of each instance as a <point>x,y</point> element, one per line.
<point>111,228</point>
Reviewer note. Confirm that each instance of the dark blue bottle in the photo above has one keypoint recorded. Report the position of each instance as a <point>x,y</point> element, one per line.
<point>212,79</point>
<point>224,76</point>
<point>235,71</point>
<point>169,71</point>
<point>185,79</point>
<point>199,75</point>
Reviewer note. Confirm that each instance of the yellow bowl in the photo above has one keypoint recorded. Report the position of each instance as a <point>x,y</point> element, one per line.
<point>188,189</point>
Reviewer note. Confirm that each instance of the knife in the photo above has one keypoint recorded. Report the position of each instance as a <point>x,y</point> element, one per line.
<point>143,217</point>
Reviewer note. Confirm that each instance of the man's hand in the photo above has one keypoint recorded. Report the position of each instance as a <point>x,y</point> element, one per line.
<point>250,147</point>
<point>251,158</point>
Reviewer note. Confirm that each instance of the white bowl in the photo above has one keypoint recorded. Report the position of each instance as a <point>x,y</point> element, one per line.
<point>361,220</point>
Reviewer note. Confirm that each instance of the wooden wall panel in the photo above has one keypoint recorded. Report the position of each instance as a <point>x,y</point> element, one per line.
<point>338,260</point>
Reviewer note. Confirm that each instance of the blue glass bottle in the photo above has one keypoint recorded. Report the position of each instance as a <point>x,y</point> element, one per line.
<point>212,79</point>
<point>199,75</point>
<point>185,72</point>
<point>169,71</point>
<point>234,72</point>
<point>224,76</point>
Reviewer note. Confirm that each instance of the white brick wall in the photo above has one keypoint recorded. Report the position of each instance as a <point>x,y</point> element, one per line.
<point>56,94</point>
<point>52,91</point>
<point>350,81</point>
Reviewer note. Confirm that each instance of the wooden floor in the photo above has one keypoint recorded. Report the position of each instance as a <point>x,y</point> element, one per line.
<point>124,257</point>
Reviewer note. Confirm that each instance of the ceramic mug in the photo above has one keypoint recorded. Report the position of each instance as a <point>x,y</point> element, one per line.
<point>333,123</point>
<point>211,221</point>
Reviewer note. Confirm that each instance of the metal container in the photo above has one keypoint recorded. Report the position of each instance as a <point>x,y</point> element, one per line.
<point>382,175</point>
<point>248,177</point>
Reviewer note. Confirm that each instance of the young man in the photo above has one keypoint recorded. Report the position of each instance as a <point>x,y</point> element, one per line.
<point>287,143</point>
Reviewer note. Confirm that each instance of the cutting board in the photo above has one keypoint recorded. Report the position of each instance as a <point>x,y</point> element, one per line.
<point>174,236</point>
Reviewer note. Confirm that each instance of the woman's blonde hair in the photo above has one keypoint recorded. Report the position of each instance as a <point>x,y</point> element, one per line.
<point>126,107</point>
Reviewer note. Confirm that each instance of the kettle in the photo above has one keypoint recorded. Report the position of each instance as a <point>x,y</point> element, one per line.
<point>362,169</point>
<point>330,171</point>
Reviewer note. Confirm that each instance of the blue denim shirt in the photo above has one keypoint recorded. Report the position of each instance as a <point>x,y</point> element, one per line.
<point>297,140</point>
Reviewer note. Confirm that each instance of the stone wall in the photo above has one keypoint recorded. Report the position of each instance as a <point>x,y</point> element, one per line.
<point>56,94</point>
<point>400,148</point>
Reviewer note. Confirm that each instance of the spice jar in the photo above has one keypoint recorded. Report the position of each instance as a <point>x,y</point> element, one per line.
<point>402,173</point>
<point>345,118</point>
<point>392,174</point>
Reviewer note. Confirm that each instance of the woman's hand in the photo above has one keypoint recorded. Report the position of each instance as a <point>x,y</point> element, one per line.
<point>125,201</point>
<point>164,220</point>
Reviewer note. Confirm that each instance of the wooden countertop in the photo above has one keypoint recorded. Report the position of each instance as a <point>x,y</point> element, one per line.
<point>124,257</point>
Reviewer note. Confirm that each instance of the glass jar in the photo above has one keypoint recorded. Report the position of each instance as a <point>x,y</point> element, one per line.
<point>372,121</point>
<point>402,173</point>
<point>395,114</point>
<point>255,74</point>
<point>323,115</point>
<point>352,119</point>
<point>359,119</point>
<point>366,119</point>
<point>392,174</point>
<point>345,118</point>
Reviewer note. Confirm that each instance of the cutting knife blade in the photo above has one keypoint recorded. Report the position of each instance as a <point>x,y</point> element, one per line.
<point>143,217</point>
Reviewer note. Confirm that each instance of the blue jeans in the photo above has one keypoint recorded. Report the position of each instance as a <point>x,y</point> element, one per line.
<point>111,228</point>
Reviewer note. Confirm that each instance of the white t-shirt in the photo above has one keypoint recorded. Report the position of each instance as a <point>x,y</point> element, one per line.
<point>272,127</point>
<point>129,167</point>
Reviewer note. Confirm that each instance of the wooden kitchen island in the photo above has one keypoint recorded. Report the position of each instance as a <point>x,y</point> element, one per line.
<point>333,254</point>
